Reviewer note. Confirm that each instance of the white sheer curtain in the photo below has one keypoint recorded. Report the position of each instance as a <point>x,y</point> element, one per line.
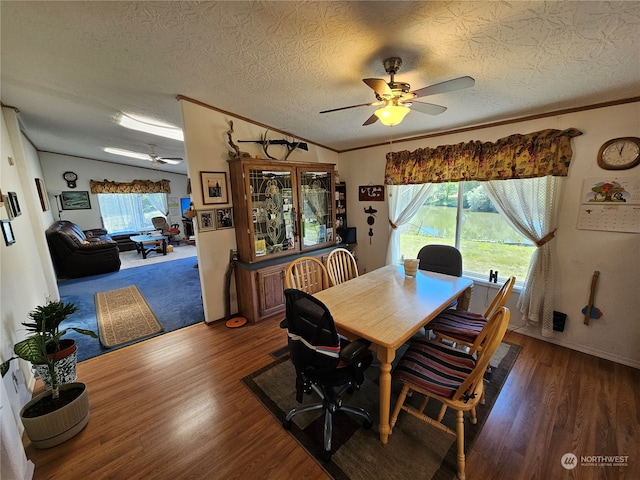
<point>125,212</point>
<point>404,202</point>
<point>530,206</point>
<point>159,202</point>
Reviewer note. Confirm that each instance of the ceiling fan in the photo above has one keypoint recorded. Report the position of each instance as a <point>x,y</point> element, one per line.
<point>396,98</point>
<point>152,157</point>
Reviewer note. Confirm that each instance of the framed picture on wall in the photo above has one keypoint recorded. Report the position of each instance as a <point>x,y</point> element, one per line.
<point>7,204</point>
<point>75,201</point>
<point>224,218</point>
<point>14,204</point>
<point>206,220</point>
<point>42,193</point>
<point>214,188</point>
<point>7,232</point>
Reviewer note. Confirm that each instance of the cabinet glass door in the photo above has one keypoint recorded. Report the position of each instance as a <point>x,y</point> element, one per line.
<point>273,211</point>
<point>316,208</point>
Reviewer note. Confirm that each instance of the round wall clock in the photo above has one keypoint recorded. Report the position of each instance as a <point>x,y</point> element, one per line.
<point>71,178</point>
<point>619,153</point>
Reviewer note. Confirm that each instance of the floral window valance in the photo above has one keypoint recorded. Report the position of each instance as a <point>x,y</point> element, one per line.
<point>137,186</point>
<point>538,154</point>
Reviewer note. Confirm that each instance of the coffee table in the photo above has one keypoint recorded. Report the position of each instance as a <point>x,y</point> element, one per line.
<point>141,240</point>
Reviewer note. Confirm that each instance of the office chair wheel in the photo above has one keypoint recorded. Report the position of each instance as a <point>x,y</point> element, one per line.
<point>367,424</point>
<point>326,455</point>
<point>286,424</point>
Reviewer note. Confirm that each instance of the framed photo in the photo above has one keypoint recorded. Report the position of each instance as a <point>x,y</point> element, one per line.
<point>224,218</point>
<point>42,193</point>
<point>14,204</point>
<point>7,232</point>
<point>7,203</point>
<point>75,201</point>
<point>206,220</point>
<point>214,188</point>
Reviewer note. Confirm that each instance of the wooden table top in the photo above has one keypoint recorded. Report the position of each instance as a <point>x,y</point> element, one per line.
<point>386,307</point>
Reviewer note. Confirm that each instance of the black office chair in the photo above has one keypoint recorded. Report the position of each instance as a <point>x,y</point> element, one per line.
<point>441,259</point>
<point>324,362</point>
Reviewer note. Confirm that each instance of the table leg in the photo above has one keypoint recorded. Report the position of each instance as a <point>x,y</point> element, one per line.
<point>464,300</point>
<point>385,357</point>
<point>164,246</point>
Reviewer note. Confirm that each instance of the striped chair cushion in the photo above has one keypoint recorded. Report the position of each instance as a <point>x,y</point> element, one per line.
<point>460,324</point>
<point>434,367</point>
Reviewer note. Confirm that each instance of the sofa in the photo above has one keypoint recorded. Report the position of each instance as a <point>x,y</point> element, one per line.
<point>77,253</point>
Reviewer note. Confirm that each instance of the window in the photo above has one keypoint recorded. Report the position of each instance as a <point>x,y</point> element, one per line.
<point>126,212</point>
<point>462,214</point>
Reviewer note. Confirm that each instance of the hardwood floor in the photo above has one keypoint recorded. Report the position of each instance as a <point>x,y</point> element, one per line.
<point>174,408</point>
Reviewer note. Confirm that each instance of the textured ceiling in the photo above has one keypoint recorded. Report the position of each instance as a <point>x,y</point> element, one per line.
<point>69,67</point>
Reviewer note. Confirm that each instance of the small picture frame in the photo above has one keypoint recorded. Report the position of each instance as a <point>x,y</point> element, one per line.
<point>7,232</point>
<point>224,218</point>
<point>75,200</point>
<point>42,193</point>
<point>206,220</point>
<point>214,188</point>
<point>14,204</point>
<point>7,204</point>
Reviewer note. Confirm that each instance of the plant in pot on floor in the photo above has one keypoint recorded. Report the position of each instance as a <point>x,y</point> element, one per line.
<point>58,414</point>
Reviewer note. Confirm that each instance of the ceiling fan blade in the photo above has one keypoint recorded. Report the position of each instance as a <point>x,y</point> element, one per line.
<point>444,87</point>
<point>351,106</point>
<point>170,160</point>
<point>379,86</point>
<point>428,108</point>
<point>370,121</point>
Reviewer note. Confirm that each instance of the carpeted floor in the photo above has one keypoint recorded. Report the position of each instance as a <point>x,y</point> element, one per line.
<point>172,290</point>
<point>415,449</point>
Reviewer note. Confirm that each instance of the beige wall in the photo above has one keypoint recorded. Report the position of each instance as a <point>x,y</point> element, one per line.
<point>580,252</point>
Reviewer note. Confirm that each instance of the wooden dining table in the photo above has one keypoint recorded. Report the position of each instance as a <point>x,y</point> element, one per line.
<point>387,308</point>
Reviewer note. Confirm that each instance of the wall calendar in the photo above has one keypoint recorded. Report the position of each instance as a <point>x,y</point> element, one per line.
<point>610,204</point>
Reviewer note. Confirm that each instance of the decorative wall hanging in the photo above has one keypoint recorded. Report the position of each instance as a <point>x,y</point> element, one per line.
<point>7,232</point>
<point>538,154</point>
<point>224,218</point>
<point>206,220</point>
<point>265,142</point>
<point>42,193</point>
<point>371,193</point>
<point>14,205</point>
<point>214,188</point>
<point>371,219</point>
<point>75,200</point>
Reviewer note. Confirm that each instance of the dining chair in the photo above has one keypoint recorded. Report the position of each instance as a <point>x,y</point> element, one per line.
<point>462,327</point>
<point>341,266</point>
<point>307,274</point>
<point>450,376</point>
<point>441,259</point>
<point>324,362</point>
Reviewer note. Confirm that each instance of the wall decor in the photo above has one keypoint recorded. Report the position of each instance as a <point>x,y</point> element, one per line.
<point>14,204</point>
<point>7,203</point>
<point>206,220</point>
<point>610,204</point>
<point>224,218</point>
<point>7,232</point>
<point>42,193</point>
<point>214,188</point>
<point>371,193</point>
<point>75,200</point>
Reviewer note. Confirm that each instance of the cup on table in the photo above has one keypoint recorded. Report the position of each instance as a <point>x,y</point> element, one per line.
<point>411,266</point>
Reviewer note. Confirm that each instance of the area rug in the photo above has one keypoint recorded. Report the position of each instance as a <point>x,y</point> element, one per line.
<point>415,450</point>
<point>124,316</point>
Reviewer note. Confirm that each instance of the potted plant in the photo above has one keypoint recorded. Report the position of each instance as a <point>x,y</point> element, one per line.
<point>57,414</point>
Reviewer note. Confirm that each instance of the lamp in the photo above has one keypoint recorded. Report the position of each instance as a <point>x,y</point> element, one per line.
<point>391,114</point>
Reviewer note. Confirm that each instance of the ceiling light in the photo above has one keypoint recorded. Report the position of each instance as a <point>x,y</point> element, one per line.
<point>127,153</point>
<point>391,114</point>
<point>148,125</point>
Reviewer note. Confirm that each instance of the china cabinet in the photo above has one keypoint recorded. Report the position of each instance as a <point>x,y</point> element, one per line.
<point>281,210</point>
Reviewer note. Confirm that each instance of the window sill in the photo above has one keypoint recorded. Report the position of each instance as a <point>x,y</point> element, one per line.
<point>486,283</point>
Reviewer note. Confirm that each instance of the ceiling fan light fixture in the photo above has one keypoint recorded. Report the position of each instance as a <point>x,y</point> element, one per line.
<point>391,114</point>
<point>148,125</point>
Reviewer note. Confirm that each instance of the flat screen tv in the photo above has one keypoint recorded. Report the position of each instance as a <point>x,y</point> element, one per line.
<point>184,205</point>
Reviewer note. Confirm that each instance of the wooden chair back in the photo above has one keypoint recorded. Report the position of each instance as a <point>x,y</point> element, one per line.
<point>492,334</point>
<point>341,266</point>
<point>500,300</point>
<point>307,274</point>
